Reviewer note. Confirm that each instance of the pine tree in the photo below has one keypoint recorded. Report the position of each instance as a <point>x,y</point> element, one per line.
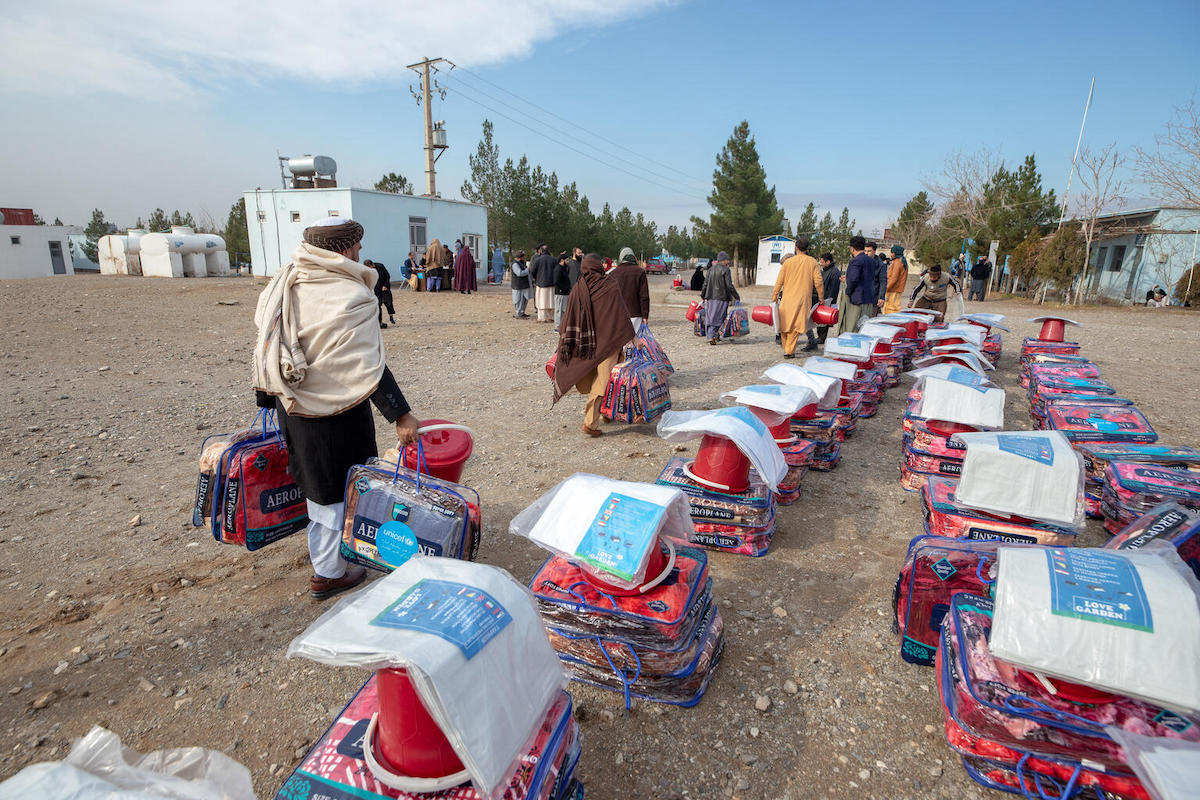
<point>486,181</point>
<point>181,220</point>
<point>58,221</point>
<point>236,234</point>
<point>395,183</point>
<point>1061,258</point>
<point>744,209</point>
<point>95,229</point>
<point>808,224</point>
<point>158,221</point>
<point>912,226</point>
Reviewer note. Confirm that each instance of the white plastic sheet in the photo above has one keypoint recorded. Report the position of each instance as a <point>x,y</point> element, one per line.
<point>879,330</point>
<point>993,321</point>
<point>950,372</point>
<point>1050,317</point>
<point>780,400</point>
<point>1168,768</point>
<point>737,424</point>
<point>99,767</point>
<point>578,519</point>
<point>855,346</point>
<point>473,643</point>
<point>1125,621</point>
<point>972,334</point>
<point>952,400</point>
<point>938,358</point>
<point>827,388</point>
<point>971,350</point>
<point>831,367</point>
<point>1034,474</point>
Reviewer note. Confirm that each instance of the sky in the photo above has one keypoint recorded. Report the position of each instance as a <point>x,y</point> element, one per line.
<point>173,105</point>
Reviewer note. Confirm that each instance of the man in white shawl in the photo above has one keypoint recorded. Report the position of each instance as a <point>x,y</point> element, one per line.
<point>318,360</point>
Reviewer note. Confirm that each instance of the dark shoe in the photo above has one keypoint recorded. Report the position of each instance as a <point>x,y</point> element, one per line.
<point>321,588</point>
<point>812,345</point>
<point>789,355</point>
<point>712,341</point>
<point>778,339</point>
<point>383,325</point>
<point>392,320</point>
<point>592,431</point>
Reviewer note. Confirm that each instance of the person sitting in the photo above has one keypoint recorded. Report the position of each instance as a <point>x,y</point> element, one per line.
<point>697,282</point>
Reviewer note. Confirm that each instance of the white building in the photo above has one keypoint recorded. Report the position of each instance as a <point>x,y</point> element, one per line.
<point>1134,250</point>
<point>35,251</point>
<point>772,251</point>
<point>394,224</point>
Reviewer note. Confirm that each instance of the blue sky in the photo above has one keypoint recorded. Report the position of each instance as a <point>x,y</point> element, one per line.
<point>851,103</point>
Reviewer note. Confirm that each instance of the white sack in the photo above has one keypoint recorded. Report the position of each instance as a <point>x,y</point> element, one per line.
<point>951,401</point>
<point>1034,474</point>
<point>781,400</point>
<point>831,367</point>
<point>827,389</point>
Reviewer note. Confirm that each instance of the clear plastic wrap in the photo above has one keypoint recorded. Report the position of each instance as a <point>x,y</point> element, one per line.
<point>99,767</point>
<point>474,647</point>
<point>605,526</point>
<point>1033,474</point>
<point>1122,621</point>
<point>968,333</point>
<point>1169,768</point>
<point>736,424</point>
<point>949,371</point>
<point>781,400</point>
<point>949,400</point>
<point>967,359</point>
<point>831,367</point>
<point>851,346</point>
<point>828,389</point>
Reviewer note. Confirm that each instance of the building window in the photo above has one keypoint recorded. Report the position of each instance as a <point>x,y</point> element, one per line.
<point>295,216</point>
<point>1100,256</point>
<point>1118,256</point>
<point>471,241</point>
<point>333,213</point>
<point>262,216</point>
<point>14,239</point>
<point>416,234</point>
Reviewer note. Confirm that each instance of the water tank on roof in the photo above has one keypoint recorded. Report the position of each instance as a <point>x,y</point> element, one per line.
<point>308,166</point>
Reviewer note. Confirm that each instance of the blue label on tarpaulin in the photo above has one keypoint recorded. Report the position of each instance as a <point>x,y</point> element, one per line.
<point>396,542</point>
<point>466,617</point>
<point>856,339</point>
<point>943,568</point>
<point>1032,447</point>
<point>623,530</point>
<point>964,376</point>
<point>764,388</point>
<point>1099,587</point>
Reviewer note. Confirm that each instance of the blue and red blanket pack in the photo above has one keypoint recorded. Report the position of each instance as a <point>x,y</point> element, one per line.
<point>244,493</point>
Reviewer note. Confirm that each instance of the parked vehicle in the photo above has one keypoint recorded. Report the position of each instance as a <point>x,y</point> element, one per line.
<point>656,265</point>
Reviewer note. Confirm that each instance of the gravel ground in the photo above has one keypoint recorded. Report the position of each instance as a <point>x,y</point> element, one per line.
<point>119,613</point>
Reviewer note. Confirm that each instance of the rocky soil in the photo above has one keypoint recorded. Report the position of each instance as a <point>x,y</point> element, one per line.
<point>118,613</point>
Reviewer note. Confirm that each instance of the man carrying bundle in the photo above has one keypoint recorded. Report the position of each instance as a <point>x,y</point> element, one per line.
<point>799,280</point>
<point>318,360</point>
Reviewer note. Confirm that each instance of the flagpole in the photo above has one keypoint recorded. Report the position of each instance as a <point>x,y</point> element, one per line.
<point>1075,158</point>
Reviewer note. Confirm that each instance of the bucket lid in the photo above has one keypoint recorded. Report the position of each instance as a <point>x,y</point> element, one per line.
<point>445,446</point>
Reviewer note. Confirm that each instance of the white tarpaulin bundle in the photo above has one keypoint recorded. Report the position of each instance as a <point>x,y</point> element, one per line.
<point>780,399</point>
<point>879,330</point>
<point>736,424</point>
<point>968,359</point>
<point>969,333</point>
<point>831,367</point>
<point>473,643</point>
<point>995,321</point>
<point>854,346</point>
<point>606,527</point>
<point>949,400</point>
<point>827,388</point>
<point>1033,474</point>
<point>1125,621</point>
<point>949,371</point>
<point>1168,768</point>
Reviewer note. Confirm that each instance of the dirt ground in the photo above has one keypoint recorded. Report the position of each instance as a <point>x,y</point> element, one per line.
<point>119,613</point>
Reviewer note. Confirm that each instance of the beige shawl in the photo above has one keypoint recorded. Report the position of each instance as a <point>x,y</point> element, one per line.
<point>318,347</point>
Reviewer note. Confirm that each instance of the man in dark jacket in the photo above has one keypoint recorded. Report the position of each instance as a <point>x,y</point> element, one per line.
<point>831,278</point>
<point>383,291</point>
<point>881,268</point>
<point>574,266</point>
<point>860,286</point>
<point>717,293</point>
<point>634,288</point>
<point>542,273</point>
<point>980,272</point>
<point>520,284</point>
<point>562,286</point>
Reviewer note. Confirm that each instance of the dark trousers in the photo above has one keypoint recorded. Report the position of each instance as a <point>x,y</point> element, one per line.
<point>385,300</point>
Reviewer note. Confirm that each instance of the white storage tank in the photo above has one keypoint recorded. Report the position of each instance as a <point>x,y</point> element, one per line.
<point>309,166</point>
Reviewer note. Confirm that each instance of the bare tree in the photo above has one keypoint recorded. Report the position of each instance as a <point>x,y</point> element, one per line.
<point>1173,166</point>
<point>1100,188</point>
<point>962,184</point>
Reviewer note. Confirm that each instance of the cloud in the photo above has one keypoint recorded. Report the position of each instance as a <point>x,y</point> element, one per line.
<point>71,47</point>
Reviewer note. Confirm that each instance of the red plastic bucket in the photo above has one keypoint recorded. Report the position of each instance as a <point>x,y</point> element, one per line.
<point>948,429</point>
<point>1052,330</point>
<point>550,364</point>
<point>719,461</point>
<point>825,315</point>
<point>445,451</point>
<point>763,314</point>
<point>407,740</point>
<point>676,282</point>
<point>806,412</point>
<point>654,568</point>
<point>883,348</point>
<point>957,358</point>
<point>693,308</point>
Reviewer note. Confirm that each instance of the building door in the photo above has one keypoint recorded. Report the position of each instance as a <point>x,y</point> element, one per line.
<point>56,259</point>
<point>416,235</point>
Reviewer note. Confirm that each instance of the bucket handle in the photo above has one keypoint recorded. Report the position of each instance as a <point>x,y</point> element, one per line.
<point>711,484</point>
<point>405,783</point>
<point>620,674</point>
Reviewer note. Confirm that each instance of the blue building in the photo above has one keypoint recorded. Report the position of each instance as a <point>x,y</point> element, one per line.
<point>1134,250</point>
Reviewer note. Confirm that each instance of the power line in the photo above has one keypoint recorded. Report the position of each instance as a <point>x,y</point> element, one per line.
<point>580,152</point>
<point>691,178</point>
<point>462,85</point>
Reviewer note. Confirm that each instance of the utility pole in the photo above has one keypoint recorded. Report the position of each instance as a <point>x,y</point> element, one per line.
<point>425,68</point>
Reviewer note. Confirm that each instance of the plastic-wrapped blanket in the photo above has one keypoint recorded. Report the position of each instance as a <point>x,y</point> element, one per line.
<point>1079,614</point>
<point>948,400</point>
<point>335,767</point>
<point>638,391</point>
<point>944,516</point>
<point>1130,489</point>
<point>648,346</point>
<point>1168,522</point>
<point>737,324</point>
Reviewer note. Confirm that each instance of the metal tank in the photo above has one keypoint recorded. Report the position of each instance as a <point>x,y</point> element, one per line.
<point>310,166</point>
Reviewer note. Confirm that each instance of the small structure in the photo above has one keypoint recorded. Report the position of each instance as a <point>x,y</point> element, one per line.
<point>33,251</point>
<point>772,250</point>
<point>1134,250</point>
<point>182,253</point>
<point>395,224</point>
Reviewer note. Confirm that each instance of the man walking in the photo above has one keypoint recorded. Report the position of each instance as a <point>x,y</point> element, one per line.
<point>831,277</point>
<point>562,287</point>
<point>897,277</point>
<point>860,286</point>
<point>799,279</point>
<point>933,289</point>
<point>319,362</point>
<point>881,272</point>
<point>542,273</point>
<point>980,272</point>
<point>634,287</point>
<point>717,292</point>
